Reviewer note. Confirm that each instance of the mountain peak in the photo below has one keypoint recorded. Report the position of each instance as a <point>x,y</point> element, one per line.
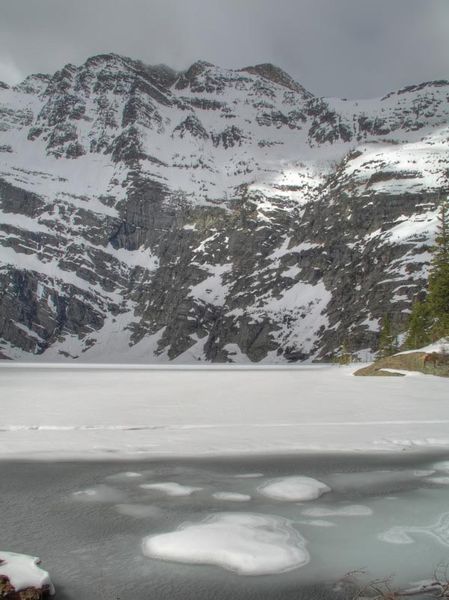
<point>197,68</point>
<point>192,75</point>
<point>110,57</point>
<point>276,75</point>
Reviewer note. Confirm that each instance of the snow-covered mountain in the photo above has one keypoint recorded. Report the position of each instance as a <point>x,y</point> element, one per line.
<point>214,214</point>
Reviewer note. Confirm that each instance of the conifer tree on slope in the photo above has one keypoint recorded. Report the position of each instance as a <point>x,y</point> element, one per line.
<point>438,296</point>
<point>419,326</point>
<point>387,340</point>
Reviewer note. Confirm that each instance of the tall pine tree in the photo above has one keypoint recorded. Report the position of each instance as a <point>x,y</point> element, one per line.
<point>387,340</point>
<point>419,326</point>
<point>438,296</point>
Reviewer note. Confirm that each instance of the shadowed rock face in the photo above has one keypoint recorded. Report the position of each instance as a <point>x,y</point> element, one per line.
<point>211,215</point>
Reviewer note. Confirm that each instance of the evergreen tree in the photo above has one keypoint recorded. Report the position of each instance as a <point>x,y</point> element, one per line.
<point>387,340</point>
<point>344,356</point>
<point>419,326</point>
<point>438,297</point>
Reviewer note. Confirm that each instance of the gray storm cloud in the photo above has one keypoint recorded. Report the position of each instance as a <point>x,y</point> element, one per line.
<point>350,48</point>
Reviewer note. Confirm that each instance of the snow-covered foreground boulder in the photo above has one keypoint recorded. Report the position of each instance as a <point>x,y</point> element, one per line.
<point>245,543</point>
<point>22,578</point>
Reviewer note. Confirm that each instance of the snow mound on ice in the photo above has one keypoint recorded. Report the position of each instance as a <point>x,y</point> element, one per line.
<point>245,543</point>
<point>232,496</point>
<point>294,489</point>
<point>442,465</point>
<point>442,480</point>
<point>124,476</point>
<point>318,523</point>
<point>24,571</point>
<point>353,510</point>
<point>99,493</point>
<point>171,488</point>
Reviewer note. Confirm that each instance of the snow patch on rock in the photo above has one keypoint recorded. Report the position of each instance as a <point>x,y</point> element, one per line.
<point>24,571</point>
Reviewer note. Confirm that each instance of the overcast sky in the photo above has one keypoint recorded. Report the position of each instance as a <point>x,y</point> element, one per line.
<point>346,48</point>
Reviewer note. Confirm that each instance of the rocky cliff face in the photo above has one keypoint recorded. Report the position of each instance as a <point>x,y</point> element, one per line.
<point>211,215</point>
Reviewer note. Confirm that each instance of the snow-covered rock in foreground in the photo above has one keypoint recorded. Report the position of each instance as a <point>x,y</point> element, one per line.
<point>22,573</point>
<point>247,544</point>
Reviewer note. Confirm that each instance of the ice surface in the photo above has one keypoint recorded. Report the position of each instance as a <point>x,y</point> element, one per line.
<point>400,534</point>
<point>353,510</point>
<point>248,544</point>
<point>249,476</point>
<point>171,488</point>
<point>139,511</point>
<point>24,571</point>
<point>395,536</point>
<point>343,482</point>
<point>99,493</point>
<point>121,413</point>
<point>105,537</point>
<point>231,496</point>
<point>294,489</point>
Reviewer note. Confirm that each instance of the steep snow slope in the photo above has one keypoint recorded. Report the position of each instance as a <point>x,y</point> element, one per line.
<point>220,215</point>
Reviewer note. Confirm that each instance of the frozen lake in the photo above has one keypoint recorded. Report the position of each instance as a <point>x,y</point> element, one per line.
<point>89,520</point>
<point>289,479</point>
<point>110,413</point>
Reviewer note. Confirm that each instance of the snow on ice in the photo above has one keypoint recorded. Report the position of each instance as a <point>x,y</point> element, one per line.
<point>294,489</point>
<point>231,496</point>
<point>111,412</point>
<point>171,488</point>
<point>247,544</point>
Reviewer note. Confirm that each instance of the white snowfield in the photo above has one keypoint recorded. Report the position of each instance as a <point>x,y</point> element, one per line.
<point>111,413</point>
